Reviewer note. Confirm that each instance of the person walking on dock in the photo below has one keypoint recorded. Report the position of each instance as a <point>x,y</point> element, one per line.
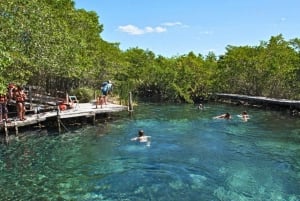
<point>106,88</point>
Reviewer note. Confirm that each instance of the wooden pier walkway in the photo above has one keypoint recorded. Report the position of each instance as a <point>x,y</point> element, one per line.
<point>81,110</point>
<point>290,104</point>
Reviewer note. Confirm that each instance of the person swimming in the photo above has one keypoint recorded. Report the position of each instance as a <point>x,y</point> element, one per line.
<point>141,137</point>
<point>200,107</point>
<point>223,116</point>
<point>244,116</point>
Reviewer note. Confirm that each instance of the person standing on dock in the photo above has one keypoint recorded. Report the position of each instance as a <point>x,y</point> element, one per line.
<point>20,96</point>
<point>106,88</point>
<point>3,107</point>
<point>10,91</point>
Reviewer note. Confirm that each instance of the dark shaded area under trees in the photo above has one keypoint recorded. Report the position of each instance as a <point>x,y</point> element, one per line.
<point>52,45</point>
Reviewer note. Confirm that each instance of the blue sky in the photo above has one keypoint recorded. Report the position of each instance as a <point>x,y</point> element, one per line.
<point>176,27</point>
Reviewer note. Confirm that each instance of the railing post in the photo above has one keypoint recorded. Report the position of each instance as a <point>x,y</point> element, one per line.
<point>58,120</point>
<point>130,106</point>
<point>30,97</point>
<point>6,132</point>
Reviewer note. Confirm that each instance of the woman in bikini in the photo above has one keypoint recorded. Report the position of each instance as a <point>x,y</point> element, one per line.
<point>20,96</point>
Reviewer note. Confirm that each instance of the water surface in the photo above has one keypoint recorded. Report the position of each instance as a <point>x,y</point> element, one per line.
<point>191,157</point>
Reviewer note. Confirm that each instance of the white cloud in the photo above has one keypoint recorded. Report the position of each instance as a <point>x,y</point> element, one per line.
<point>131,29</point>
<point>134,30</point>
<point>160,29</point>
<point>171,24</point>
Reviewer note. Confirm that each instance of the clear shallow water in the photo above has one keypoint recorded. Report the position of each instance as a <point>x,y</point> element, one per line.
<point>191,157</point>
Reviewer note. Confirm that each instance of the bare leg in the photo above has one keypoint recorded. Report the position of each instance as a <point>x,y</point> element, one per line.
<point>105,100</point>
<point>23,111</point>
<point>19,110</point>
<point>101,101</point>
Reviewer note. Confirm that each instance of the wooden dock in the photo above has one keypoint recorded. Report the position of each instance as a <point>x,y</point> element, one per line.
<point>260,100</point>
<point>80,110</point>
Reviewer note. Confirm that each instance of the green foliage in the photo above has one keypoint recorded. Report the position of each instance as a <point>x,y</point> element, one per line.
<point>267,70</point>
<point>84,95</point>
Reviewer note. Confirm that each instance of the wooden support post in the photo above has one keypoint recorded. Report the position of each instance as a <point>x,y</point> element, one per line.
<point>96,99</point>
<point>6,133</point>
<point>37,111</point>
<point>67,98</point>
<point>94,119</point>
<point>16,128</point>
<point>130,107</point>
<point>96,103</point>
<point>30,97</point>
<point>58,120</point>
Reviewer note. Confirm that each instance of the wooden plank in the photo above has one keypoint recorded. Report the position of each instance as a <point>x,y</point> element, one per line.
<point>78,114</point>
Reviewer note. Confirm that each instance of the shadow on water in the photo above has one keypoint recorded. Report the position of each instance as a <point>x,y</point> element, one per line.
<point>191,157</point>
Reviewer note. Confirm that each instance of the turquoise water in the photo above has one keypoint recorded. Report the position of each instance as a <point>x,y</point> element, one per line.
<point>191,157</point>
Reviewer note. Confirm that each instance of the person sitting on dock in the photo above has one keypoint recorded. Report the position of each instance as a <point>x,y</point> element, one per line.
<point>20,97</point>
<point>223,116</point>
<point>64,105</point>
<point>141,137</point>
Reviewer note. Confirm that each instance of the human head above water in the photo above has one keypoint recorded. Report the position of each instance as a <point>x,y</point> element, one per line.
<point>227,115</point>
<point>141,133</point>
